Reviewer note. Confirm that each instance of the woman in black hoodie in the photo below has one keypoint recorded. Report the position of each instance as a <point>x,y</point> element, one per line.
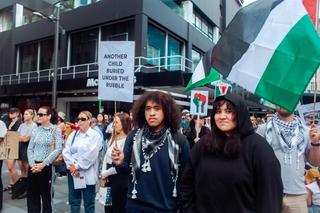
<point>232,169</point>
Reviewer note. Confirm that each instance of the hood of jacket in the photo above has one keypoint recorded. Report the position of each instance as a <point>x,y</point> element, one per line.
<point>244,124</point>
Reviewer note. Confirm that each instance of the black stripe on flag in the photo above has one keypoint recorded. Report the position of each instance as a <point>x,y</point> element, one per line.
<point>240,33</point>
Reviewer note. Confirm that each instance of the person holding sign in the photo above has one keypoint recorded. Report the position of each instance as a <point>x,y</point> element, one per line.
<point>40,157</point>
<point>81,157</point>
<point>232,169</point>
<point>154,153</point>
<point>117,182</point>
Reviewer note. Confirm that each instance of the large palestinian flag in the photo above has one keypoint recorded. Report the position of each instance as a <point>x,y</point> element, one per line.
<point>271,49</point>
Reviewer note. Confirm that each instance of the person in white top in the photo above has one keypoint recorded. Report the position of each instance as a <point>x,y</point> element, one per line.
<point>117,182</point>
<point>25,131</point>
<point>313,196</point>
<point>80,155</point>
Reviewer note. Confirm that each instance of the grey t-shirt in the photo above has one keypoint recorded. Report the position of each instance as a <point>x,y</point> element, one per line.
<point>26,129</point>
<point>292,166</point>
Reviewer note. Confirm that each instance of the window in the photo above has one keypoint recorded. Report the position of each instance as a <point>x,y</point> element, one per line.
<point>156,45</point>
<point>203,25</point>
<point>84,47</point>
<point>174,53</point>
<point>161,44</point>
<point>28,57</point>
<point>46,54</point>
<point>6,19</point>
<point>122,31</point>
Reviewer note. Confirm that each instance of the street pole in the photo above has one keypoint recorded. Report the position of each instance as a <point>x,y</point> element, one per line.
<point>55,58</point>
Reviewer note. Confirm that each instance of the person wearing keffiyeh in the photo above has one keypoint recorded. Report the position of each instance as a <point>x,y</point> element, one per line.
<point>154,154</point>
<point>294,144</point>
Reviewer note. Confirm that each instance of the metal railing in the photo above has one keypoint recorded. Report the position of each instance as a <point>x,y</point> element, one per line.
<point>142,64</point>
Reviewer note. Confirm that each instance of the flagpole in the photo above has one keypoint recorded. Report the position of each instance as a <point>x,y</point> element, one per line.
<point>315,76</point>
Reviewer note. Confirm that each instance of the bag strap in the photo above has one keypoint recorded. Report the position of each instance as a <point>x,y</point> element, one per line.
<point>74,136</point>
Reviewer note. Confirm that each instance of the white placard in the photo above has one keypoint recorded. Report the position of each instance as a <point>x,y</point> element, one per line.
<point>199,102</point>
<point>306,114</point>
<point>79,182</point>
<point>116,70</point>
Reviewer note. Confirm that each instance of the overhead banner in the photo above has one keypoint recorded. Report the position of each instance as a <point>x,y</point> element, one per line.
<point>199,102</point>
<point>116,70</point>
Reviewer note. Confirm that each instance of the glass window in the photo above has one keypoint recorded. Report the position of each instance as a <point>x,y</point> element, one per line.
<point>84,47</point>
<point>118,32</point>
<point>156,45</point>
<point>174,54</point>
<point>28,57</point>
<point>46,54</point>
<point>6,19</point>
<point>195,57</point>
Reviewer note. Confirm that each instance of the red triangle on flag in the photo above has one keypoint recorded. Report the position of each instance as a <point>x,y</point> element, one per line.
<point>223,89</point>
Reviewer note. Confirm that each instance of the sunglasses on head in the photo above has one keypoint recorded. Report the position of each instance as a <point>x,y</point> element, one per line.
<point>82,119</point>
<point>41,114</point>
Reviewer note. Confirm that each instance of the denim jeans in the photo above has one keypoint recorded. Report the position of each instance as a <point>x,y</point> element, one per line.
<point>88,194</point>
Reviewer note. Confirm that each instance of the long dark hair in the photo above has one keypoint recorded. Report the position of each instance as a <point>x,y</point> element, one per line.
<point>125,121</point>
<point>170,109</point>
<point>216,141</point>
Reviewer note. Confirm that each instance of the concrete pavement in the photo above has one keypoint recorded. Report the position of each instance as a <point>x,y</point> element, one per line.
<point>60,197</point>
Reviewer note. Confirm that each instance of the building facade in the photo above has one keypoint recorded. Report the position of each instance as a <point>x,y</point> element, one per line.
<point>170,37</point>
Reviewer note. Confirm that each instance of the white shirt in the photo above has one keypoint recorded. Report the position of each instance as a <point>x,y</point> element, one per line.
<point>316,192</point>
<point>108,160</point>
<point>83,153</point>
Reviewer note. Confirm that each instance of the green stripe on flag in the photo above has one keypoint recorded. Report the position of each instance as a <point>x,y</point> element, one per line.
<point>214,75</point>
<point>292,66</point>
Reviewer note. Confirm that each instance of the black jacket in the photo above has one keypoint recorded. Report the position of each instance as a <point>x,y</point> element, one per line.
<point>252,182</point>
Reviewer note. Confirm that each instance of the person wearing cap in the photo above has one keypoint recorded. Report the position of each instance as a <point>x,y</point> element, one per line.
<point>61,123</point>
<point>232,169</point>
<point>185,121</point>
<point>15,122</point>
<point>294,144</point>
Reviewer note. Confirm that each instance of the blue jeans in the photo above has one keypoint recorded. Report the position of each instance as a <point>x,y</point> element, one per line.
<point>314,209</point>
<point>88,194</point>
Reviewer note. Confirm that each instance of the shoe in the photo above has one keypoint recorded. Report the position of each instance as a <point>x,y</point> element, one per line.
<point>22,196</point>
<point>8,188</point>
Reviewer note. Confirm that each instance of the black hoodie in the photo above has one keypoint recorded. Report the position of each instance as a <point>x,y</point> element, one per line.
<point>212,182</point>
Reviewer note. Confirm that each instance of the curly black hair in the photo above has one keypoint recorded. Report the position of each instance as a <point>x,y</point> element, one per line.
<point>170,109</point>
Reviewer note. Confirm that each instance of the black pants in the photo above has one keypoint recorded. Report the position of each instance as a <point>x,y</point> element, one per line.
<point>119,189</point>
<point>39,187</point>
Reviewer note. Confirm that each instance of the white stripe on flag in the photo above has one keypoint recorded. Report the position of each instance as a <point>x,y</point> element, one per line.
<point>279,22</point>
<point>198,73</point>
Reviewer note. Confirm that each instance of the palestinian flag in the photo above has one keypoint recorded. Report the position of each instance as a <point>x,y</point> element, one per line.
<point>271,49</point>
<point>221,89</point>
<point>204,73</point>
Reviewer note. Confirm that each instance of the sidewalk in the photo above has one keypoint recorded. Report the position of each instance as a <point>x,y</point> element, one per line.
<point>60,200</point>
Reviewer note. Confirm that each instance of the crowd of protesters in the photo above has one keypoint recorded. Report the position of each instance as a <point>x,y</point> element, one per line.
<point>162,159</point>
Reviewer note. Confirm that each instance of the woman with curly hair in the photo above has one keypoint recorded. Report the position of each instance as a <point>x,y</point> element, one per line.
<point>156,152</point>
<point>233,169</point>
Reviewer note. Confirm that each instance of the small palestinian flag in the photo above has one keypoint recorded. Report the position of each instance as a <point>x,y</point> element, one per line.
<point>271,49</point>
<point>204,73</point>
<point>221,89</point>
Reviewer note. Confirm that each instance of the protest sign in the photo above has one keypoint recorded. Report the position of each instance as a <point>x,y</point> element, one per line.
<point>199,102</point>
<point>9,146</point>
<point>116,70</point>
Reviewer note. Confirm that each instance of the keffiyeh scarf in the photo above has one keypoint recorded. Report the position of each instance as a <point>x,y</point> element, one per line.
<point>149,143</point>
<point>291,135</point>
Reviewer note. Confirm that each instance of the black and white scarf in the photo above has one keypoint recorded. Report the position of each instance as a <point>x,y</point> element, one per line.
<point>291,135</point>
<point>149,143</point>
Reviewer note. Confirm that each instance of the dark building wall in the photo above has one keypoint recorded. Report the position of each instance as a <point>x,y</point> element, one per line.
<point>232,8</point>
